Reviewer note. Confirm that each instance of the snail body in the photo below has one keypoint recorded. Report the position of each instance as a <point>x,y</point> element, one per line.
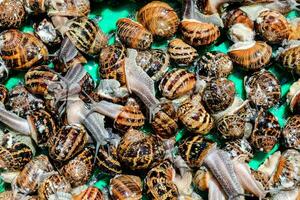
<point>107,160</point>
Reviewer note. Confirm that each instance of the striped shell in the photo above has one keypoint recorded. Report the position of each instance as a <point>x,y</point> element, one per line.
<point>139,152</point>
<point>112,63</point>
<point>107,160</point>
<point>273,26</point>
<point>86,35</point>
<point>196,33</point>
<point>181,53</point>
<point>290,59</point>
<point>177,83</point>
<point>68,8</point>
<point>194,116</point>
<point>123,187</point>
<point>263,89</point>
<point>237,16</point>
<point>91,193</point>
<point>12,14</point>
<point>291,132</point>
<point>133,35</point>
<point>67,142</point>
<point>266,132</point>
<point>3,93</point>
<point>21,51</point>
<point>232,126</point>
<point>159,18</point>
<point>250,56</point>
<point>239,149</point>
<point>35,6</point>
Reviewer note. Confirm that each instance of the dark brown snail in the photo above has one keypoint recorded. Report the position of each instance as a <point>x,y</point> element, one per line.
<point>236,16</point>
<point>107,160</point>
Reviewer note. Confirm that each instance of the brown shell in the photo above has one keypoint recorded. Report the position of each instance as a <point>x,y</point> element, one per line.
<point>291,132</point>
<point>253,58</point>
<point>123,187</point>
<point>67,142</point>
<point>273,26</point>
<point>290,59</point>
<point>91,193</point>
<point>21,51</point>
<point>218,95</point>
<point>107,160</point>
<point>237,16</point>
<point>29,178</point>
<point>3,93</point>
<point>266,132</point>
<point>177,83</point>
<point>86,35</point>
<point>194,116</point>
<point>239,149</point>
<point>293,97</point>
<point>159,18</point>
<point>197,33</point>
<point>78,170</point>
<point>214,65</point>
<point>133,35</point>
<point>112,63</point>
<point>263,89</point>
<point>51,185</point>
<point>35,6</point>
<point>164,125</point>
<point>231,126</point>
<point>139,152</point>
<point>69,8</point>
<point>12,14</point>
<point>181,53</point>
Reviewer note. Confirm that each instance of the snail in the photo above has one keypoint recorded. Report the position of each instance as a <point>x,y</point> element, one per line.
<point>289,57</point>
<point>46,32</point>
<point>291,132</point>
<point>293,96</point>
<point>12,14</point>
<point>107,160</point>
<point>237,16</point>
<point>91,193</point>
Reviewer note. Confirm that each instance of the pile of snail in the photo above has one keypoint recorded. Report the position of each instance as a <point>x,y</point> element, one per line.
<point>164,123</point>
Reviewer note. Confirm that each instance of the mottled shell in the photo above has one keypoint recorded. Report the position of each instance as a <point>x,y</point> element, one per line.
<point>155,62</point>
<point>291,132</point>
<point>12,14</point>
<point>237,16</point>
<point>251,57</point>
<point>194,116</point>
<point>86,35</point>
<point>239,149</point>
<point>112,63</point>
<point>29,178</point>
<point>177,83</point>
<point>69,8</point>
<point>133,35</point>
<point>46,31</point>
<point>67,142</point>
<point>51,185</point>
<point>78,170</point>
<point>3,93</point>
<point>139,152</point>
<point>123,187</point>
<point>290,59</point>
<point>194,150</point>
<point>218,95</point>
<point>159,18</point>
<point>214,65</point>
<point>273,26</point>
<point>197,33</point>
<point>263,89</point>
<point>21,51</point>
<point>181,53</point>
<point>107,160</point>
<point>91,193</point>
<point>232,126</point>
<point>35,6</point>
<point>266,132</point>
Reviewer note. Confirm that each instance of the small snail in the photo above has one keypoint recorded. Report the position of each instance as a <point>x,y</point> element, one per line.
<point>236,16</point>
<point>240,149</point>
<point>12,14</point>
<point>91,193</point>
<point>107,160</point>
<point>291,133</point>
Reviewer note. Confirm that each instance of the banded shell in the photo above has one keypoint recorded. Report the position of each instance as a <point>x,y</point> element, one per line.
<point>239,149</point>
<point>194,116</point>
<point>214,65</point>
<point>52,185</point>
<point>107,160</point>
<point>112,63</point>
<point>263,89</point>
<point>181,53</point>
<point>293,97</point>
<point>35,6</point>
<point>69,8</point>
<point>290,59</point>
<point>67,142</point>
<point>46,31</point>
<point>273,26</point>
<point>291,132</point>
<point>196,33</point>
<point>3,93</point>
<point>21,51</point>
<point>177,83</point>
<point>12,14</point>
<point>133,35</point>
<point>250,56</point>
<point>91,193</point>
<point>126,187</point>
<point>159,18</point>
<point>139,152</point>
<point>78,170</point>
<point>236,16</point>
<point>218,95</point>
<point>266,132</point>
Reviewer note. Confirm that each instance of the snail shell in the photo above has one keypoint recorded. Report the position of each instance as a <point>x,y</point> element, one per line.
<point>107,160</point>
<point>293,97</point>
<point>126,187</point>
<point>138,152</point>
<point>251,55</point>
<point>194,116</point>
<point>291,132</point>
<point>35,6</point>
<point>236,16</point>
<point>12,14</point>
<point>91,193</point>
<point>196,33</point>
<point>159,18</point>
<point>239,149</point>
<point>181,53</point>
<point>3,71</point>
<point>266,131</point>
<point>177,83</point>
<point>263,89</point>
<point>3,93</point>
<point>46,31</point>
<point>69,8</point>
<point>133,34</point>
<point>290,59</point>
